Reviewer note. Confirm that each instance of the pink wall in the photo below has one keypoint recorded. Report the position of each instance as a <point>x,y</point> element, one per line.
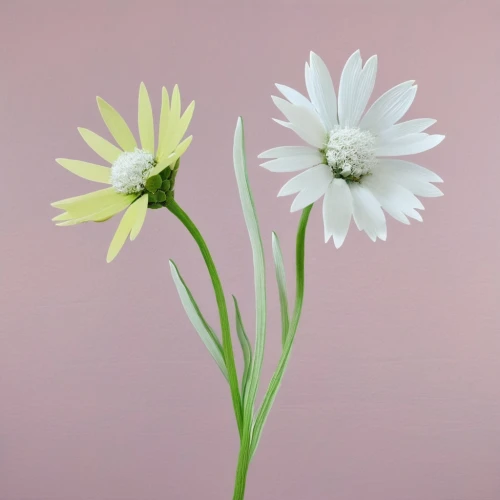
<point>108,394</point>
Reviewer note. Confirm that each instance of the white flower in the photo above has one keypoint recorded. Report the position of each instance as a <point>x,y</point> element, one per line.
<point>347,159</point>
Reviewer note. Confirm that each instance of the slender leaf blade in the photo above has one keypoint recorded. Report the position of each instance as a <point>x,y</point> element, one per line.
<point>281,280</point>
<point>276,379</point>
<point>246,347</point>
<point>206,333</point>
<point>251,221</point>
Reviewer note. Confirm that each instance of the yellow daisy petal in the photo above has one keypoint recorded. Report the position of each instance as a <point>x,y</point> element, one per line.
<point>170,160</point>
<point>101,193</point>
<point>89,171</point>
<point>116,125</point>
<point>146,121</point>
<point>95,213</point>
<point>169,137</point>
<point>101,146</point>
<point>90,202</point>
<point>121,234</point>
<point>183,124</point>
<point>140,208</point>
<point>164,120</point>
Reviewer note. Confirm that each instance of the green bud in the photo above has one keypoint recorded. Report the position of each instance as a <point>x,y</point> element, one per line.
<point>154,206</point>
<point>160,196</point>
<point>165,185</point>
<point>165,173</point>
<point>153,183</point>
<point>152,198</point>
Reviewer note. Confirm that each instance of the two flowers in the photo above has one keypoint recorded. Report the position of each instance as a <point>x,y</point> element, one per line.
<point>348,160</point>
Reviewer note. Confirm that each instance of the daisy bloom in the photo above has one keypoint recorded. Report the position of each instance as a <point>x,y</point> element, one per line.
<point>348,157</point>
<point>138,177</point>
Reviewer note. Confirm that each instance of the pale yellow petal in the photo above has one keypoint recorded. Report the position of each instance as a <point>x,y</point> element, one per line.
<point>164,120</point>
<point>165,162</point>
<point>89,171</point>
<point>140,207</point>
<point>101,146</point>
<point>170,160</point>
<point>181,148</point>
<point>146,121</point>
<point>63,216</point>
<point>169,137</point>
<point>183,124</point>
<point>91,203</point>
<point>116,125</point>
<point>121,234</point>
<point>99,214</point>
<point>175,108</point>
<point>88,197</point>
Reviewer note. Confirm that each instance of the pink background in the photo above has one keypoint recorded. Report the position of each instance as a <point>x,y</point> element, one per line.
<point>106,391</point>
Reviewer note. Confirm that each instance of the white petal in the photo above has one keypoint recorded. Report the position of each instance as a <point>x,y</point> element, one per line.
<point>409,145</point>
<point>306,123</point>
<point>293,163</point>
<point>404,128</point>
<point>284,124</point>
<point>337,211</point>
<point>367,213</point>
<point>294,96</point>
<point>404,198</point>
<point>389,195</point>
<point>388,177</point>
<point>347,88</point>
<point>407,169</point>
<point>414,215</point>
<point>288,125</point>
<point>285,151</point>
<point>356,87</point>
<point>308,196</point>
<point>307,180</point>
<point>389,108</point>
<point>364,89</point>
<point>321,91</point>
<point>421,188</point>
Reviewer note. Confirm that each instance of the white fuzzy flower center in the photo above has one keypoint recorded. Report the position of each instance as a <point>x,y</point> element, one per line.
<point>350,153</point>
<point>130,171</point>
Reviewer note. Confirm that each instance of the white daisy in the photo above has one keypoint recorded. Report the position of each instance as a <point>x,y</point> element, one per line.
<point>346,157</point>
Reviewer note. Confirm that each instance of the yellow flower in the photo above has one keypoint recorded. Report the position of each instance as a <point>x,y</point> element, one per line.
<point>139,178</point>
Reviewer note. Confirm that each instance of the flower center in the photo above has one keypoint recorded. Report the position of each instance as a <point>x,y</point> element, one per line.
<point>350,153</point>
<point>130,171</point>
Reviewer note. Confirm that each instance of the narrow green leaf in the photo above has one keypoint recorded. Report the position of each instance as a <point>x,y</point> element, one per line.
<point>246,347</point>
<point>207,335</point>
<point>250,215</point>
<point>227,343</point>
<point>276,379</point>
<point>281,280</point>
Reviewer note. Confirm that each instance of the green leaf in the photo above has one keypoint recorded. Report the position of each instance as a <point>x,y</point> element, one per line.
<point>207,335</point>
<point>246,347</point>
<point>250,215</point>
<point>276,379</point>
<point>281,280</point>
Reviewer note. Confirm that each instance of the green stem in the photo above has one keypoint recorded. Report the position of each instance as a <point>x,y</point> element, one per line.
<point>250,438</point>
<point>244,458</point>
<point>227,345</point>
<point>275,383</point>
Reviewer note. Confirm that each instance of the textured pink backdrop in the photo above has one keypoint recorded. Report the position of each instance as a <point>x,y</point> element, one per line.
<point>106,391</point>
